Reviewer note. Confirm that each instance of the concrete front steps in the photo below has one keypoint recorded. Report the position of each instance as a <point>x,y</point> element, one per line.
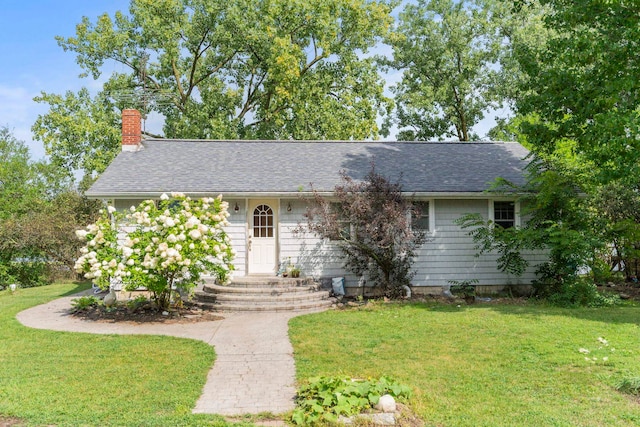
<point>264,294</point>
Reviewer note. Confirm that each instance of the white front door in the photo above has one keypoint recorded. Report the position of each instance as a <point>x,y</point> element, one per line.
<point>262,236</point>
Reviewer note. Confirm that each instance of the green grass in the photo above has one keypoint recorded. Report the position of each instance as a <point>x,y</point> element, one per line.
<point>71,379</point>
<point>492,365</point>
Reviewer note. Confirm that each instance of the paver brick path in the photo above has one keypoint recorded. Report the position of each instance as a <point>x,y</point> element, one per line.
<point>254,369</point>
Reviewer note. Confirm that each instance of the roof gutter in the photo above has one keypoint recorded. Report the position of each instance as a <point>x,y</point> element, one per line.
<point>280,194</point>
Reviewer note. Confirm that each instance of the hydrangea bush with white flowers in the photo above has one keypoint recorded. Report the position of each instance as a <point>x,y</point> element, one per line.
<point>101,257</point>
<point>170,243</point>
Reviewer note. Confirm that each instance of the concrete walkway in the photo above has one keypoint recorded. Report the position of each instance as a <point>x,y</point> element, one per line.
<point>254,369</point>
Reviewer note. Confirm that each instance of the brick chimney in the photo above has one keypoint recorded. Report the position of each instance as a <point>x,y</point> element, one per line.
<point>131,130</point>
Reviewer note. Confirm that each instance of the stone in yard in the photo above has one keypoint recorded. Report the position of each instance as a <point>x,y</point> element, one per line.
<point>386,403</point>
<point>388,419</point>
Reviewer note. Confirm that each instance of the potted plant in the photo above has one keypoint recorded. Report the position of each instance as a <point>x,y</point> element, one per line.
<point>464,289</point>
<point>295,272</point>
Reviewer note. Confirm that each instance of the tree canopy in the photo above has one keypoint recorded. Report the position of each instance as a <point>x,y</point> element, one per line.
<point>583,88</point>
<point>578,112</point>
<point>39,213</point>
<point>247,69</point>
<point>449,52</point>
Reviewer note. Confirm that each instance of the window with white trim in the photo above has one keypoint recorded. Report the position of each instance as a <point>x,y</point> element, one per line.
<point>504,214</point>
<point>420,216</point>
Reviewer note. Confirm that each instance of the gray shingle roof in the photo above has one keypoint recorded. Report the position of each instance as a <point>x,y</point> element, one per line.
<point>280,167</point>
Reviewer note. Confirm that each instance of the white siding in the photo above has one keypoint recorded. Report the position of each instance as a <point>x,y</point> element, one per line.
<point>316,257</point>
<point>237,231</point>
<point>450,253</point>
<point>125,204</point>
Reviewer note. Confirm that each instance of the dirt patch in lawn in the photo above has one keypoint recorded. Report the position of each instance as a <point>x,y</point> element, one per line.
<point>10,422</point>
<point>147,314</point>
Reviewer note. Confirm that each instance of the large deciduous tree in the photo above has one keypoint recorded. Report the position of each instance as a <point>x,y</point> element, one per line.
<point>579,113</point>
<point>272,69</point>
<point>39,213</point>
<point>80,132</point>
<point>583,86</point>
<point>449,52</point>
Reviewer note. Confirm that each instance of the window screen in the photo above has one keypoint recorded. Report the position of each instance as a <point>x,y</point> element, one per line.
<point>420,216</point>
<point>504,214</point>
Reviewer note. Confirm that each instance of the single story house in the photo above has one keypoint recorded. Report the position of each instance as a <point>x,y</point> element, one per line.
<point>263,182</point>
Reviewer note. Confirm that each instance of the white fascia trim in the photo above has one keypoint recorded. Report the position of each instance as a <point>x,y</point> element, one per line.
<point>234,195</point>
<point>432,217</point>
<point>286,194</point>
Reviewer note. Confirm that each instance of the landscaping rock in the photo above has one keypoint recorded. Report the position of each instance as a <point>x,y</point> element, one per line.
<point>383,419</point>
<point>386,404</point>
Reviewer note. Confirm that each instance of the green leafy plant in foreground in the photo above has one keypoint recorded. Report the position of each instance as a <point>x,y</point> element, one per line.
<point>325,398</point>
<point>85,302</point>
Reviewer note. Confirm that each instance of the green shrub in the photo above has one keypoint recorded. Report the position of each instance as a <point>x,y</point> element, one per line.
<point>601,272</point>
<point>581,292</point>
<point>137,302</point>
<point>629,386</point>
<point>85,302</point>
<point>463,288</point>
<point>6,278</point>
<point>29,274</point>
<point>325,398</point>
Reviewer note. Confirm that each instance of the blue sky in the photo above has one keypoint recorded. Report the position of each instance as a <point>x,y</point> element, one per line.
<point>32,60</point>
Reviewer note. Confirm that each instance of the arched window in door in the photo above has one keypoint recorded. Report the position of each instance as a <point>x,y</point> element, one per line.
<point>263,221</point>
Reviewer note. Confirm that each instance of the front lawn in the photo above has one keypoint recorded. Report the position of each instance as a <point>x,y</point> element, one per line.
<point>485,365</point>
<point>70,379</point>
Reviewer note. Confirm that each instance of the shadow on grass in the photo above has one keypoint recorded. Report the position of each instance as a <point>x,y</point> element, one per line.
<point>617,314</point>
<point>79,287</point>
